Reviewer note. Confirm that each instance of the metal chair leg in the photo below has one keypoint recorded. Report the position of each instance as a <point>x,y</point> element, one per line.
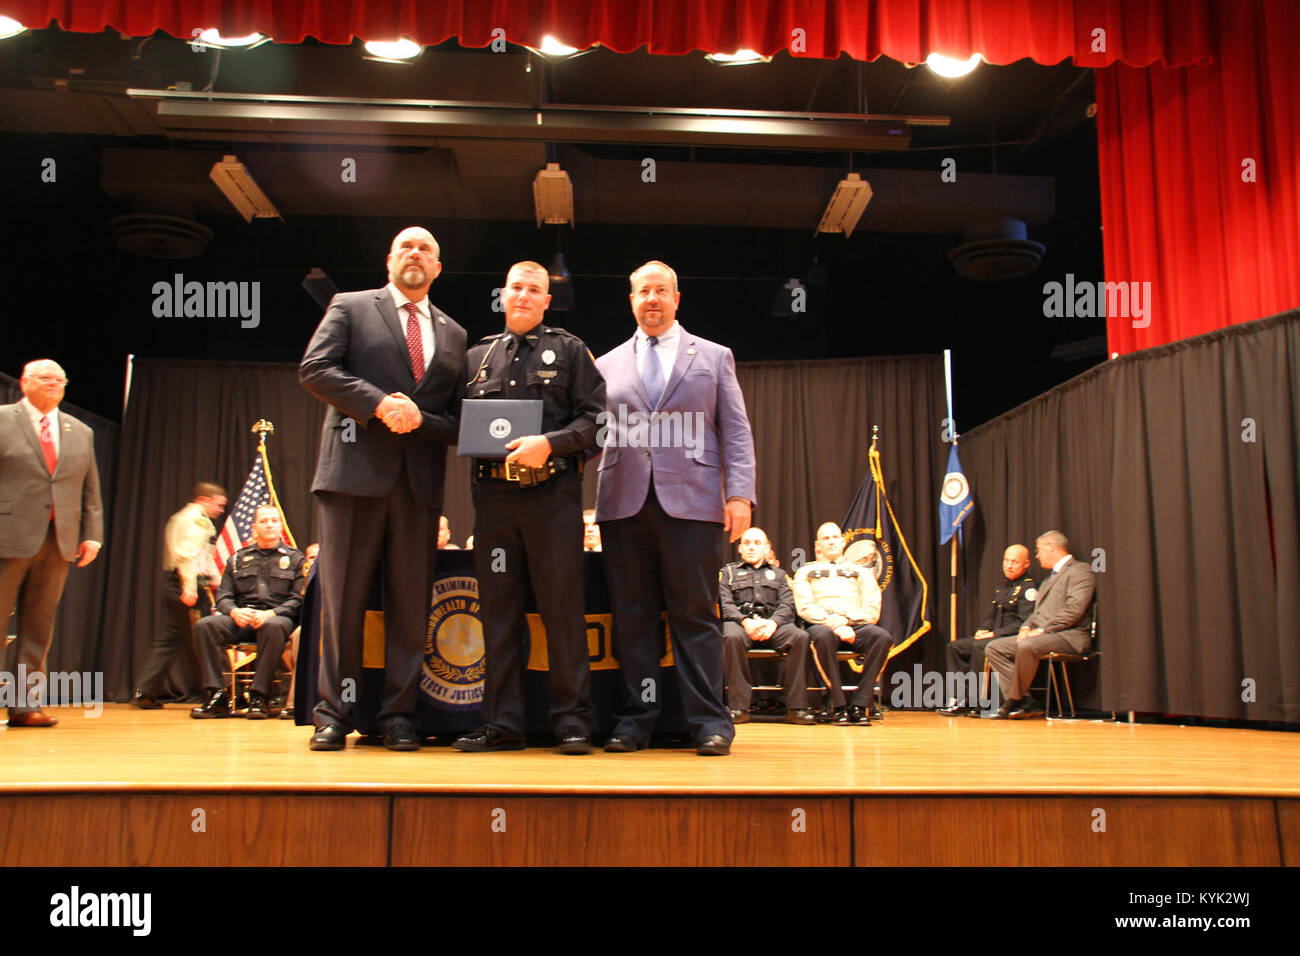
<point>1065,674</point>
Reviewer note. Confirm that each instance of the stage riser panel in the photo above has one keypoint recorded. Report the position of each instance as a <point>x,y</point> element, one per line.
<point>159,830</point>
<point>621,831</point>
<point>1288,826</point>
<point>1059,831</point>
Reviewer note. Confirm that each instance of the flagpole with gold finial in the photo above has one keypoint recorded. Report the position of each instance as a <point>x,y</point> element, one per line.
<point>261,428</point>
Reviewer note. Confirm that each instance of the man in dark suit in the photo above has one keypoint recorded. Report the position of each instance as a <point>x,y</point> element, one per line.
<point>1062,621</point>
<point>388,363</point>
<point>676,473</point>
<point>50,515</point>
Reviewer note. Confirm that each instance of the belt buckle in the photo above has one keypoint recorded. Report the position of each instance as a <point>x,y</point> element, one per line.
<point>512,471</point>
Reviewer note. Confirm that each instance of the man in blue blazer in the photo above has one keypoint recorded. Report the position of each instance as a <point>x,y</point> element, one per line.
<point>388,363</point>
<point>676,474</point>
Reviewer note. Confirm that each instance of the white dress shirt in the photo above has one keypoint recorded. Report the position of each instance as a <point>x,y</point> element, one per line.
<point>35,414</point>
<point>424,321</point>
<point>665,348</point>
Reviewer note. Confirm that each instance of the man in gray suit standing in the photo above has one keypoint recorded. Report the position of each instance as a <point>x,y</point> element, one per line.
<point>676,474</point>
<point>50,516</point>
<point>388,363</point>
<point>1061,622</point>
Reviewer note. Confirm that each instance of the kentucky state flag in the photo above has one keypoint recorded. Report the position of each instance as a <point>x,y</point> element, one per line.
<point>955,499</point>
<point>874,540</point>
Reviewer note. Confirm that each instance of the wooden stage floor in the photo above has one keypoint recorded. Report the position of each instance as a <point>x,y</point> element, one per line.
<point>133,787</point>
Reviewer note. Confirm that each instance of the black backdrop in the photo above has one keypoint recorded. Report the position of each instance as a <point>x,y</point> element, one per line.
<point>1146,459</point>
<point>190,421</point>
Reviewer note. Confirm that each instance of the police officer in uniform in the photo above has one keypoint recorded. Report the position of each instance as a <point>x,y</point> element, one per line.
<point>259,599</point>
<point>1013,602</point>
<point>758,611</point>
<point>528,517</point>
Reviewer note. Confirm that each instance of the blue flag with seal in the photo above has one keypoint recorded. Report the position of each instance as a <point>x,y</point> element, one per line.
<point>955,499</point>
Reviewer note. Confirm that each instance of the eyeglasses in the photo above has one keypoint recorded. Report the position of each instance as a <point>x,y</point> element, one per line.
<point>50,379</point>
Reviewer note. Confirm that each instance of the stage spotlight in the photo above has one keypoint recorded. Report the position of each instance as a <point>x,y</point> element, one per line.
<point>553,195</point>
<point>393,51</point>
<point>320,287</point>
<point>9,27</point>
<point>950,68</point>
<point>562,299</point>
<point>743,57</point>
<point>213,38</point>
<point>847,204</point>
<point>233,179</point>
<point>553,47</point>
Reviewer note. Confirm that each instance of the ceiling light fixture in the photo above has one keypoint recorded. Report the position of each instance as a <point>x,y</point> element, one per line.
<point>553,195</point>
<point>847,204</point>
<point>9,27</point>
<point>553,47</point>
<point>742,57</point>
<point>393,51</point>
<point>212,37</point>
<point>950,68</point>
<point>233,179</point>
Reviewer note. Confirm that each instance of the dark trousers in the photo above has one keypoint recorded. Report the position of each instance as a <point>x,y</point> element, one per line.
<point>32,586</point>
<point>523,533</point>
<point>653,560</point>
<point>214,632</point>
<point>790,641</point>
<point>870,640</point>
<point>357,534</point>
<point>966,656</point>
<point>175,634</point>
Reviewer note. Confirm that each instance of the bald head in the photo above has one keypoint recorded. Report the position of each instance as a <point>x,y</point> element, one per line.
<point>413,262</point>
<point>1015,561</point>
<point>754,546</point>
<point>43,382</point>
<point>829,545</point>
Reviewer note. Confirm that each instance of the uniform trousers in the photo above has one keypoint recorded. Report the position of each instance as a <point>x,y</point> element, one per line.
<point>175,635</point>
<point>214,632</point>
<point>869,640</point>
<point>789,641</point>
<point>966,656</point>
<point>523,534</point>
<point>32,586</point>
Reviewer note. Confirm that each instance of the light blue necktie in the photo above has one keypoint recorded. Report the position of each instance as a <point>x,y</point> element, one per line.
<point>652,373</point>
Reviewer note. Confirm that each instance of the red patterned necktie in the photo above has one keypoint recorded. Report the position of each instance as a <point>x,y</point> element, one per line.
<point>47,445</point>
<point>413,341</point>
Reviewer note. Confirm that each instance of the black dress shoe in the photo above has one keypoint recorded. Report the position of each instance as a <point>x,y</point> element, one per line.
<point>800,717</point>
<point>954,710</point>
<point>1027,710</point>
<point>739,716</point>
<point>830,715</point>
<point>620,744</point>
<point>714,745</point>
<point>217,705</point>
<point>258,707</point>
<point>1005,710</point>
<point>574,742</point>
<point>489,740</point>
<point>857,717</point>
<point>400,735</point>
<point>138,699</point>
<point>329,737</point>
<point>875,711</point>
<point>241,705</point>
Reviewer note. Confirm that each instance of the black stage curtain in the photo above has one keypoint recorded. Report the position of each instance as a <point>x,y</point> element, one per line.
<point>1148,462</point>
<point>77,626</point>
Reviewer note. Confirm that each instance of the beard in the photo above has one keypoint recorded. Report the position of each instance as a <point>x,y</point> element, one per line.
<point>411,277</point>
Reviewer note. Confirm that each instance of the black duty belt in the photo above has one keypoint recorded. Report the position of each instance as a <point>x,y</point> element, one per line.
<point>525,476</point>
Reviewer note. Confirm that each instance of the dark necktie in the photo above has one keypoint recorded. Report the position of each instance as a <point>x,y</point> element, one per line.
<point>413,341</point>
<point>652,373</point>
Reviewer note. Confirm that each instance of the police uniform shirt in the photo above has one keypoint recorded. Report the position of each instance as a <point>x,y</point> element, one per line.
<point>1012,604</point>
<point>546,363</point>
<point>823,588</point>
<point>742,583</point>
<point>263,579</point>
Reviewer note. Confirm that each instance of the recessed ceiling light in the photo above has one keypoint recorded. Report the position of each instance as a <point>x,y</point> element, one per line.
<point>950,68</point>
<point>741,57</point>
<point>9,27</point>
<point>402,49</point>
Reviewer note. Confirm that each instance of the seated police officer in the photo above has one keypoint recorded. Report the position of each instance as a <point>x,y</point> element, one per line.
<point>259,599</point>
<point>840,602</point>
<point>1013,602</point>
<point>758,611</point>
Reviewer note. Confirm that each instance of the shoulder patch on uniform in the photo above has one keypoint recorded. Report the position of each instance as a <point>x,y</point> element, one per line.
<point>1031,594</point>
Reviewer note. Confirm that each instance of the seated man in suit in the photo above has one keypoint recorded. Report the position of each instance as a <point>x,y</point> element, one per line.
<point>840,602</point>
<point>259,599</point>
<point>758,611</point>
<point>1062,621</point>
<point>1012,603</point>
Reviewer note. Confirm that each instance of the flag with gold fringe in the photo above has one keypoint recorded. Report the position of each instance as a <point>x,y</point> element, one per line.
<point>258,490</point>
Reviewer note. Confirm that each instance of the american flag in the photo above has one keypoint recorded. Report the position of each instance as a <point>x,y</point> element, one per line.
<point>238,529</point>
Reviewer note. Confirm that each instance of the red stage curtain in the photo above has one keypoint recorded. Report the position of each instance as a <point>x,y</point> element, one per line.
<point>1176,212</point>
<point>1138,32</point>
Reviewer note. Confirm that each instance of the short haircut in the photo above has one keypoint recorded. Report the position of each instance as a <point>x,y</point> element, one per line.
<point>261,508</point>
<point>672,274</point>
<point>207,489</point>
<point>535,268</point>
<point>1055,539</point>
